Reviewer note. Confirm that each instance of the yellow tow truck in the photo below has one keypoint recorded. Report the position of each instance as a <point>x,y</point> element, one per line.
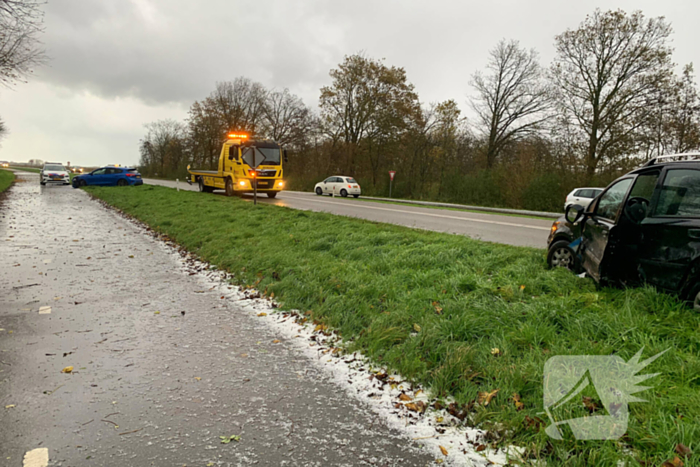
<point>236,174</point>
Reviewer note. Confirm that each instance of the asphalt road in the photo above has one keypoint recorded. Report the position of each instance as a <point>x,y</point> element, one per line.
<point>511,230</point>
<point>151,386</point>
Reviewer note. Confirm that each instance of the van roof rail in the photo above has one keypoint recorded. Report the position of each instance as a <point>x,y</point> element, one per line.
<point>682,157</point>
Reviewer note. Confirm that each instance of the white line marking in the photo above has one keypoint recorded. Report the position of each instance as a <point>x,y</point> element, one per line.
<point>469,219</point>
<point>36,458</point>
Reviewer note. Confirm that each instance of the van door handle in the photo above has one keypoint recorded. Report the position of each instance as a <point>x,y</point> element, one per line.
<point>694,233</point>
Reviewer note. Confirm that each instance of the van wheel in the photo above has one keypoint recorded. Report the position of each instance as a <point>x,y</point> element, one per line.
<point>319,191</point>
<point>344,193</point>
<point>229,187</point>
<point>561,255</point>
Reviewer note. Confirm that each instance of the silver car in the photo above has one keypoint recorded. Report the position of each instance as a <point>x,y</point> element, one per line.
<point>54,172</point>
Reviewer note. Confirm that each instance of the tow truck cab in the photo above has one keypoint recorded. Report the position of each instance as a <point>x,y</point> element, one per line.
<point>235,174</point>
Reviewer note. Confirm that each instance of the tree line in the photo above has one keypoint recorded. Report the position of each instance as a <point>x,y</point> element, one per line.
<point>610,100</point>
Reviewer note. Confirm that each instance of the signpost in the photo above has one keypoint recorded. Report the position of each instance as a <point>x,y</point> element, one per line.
<point>391,181</point>
<point>254,158</point>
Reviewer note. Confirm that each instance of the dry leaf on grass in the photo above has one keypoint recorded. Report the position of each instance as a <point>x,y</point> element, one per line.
<point>485,397</point>
<point>68,369</point>
<point>443,450</point>
<point>675,462</point>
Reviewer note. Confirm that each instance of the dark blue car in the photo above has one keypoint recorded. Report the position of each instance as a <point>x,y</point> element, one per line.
<point>109,176</point>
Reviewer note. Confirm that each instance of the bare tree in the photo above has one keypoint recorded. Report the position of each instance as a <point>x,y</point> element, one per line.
<point>240,104</point>
<point>163,149</point>
<point>21,22</point>
<point>605,73</point>
<point>287,120</point>
<point>512,99</point>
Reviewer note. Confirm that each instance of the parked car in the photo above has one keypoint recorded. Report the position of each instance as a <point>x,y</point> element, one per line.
<point>643,228</point>
<point>338,185</point>
<point>109,176</point>
<point>582,197</point>
<point>54,172</point>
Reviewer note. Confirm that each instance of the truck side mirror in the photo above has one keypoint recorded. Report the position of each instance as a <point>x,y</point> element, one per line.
<point>286,159</point>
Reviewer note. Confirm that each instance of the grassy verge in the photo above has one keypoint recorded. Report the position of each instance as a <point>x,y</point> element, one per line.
<point>27,169</point>
<point>6,179</point>
<point>460,316</point>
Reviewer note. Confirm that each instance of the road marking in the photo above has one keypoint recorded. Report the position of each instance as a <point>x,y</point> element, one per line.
<point>36,458</point>
<point>469,219</point>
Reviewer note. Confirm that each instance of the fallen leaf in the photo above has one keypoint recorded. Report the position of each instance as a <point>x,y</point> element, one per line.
<point>438,308</point>
<point>416,406</point>
<point>131,256</point>
<point>480,447</point>
<point>68,369</point>
<point>439,419</point>
<point>416,328</point>
<point>443,450</point>
<point>198,378</point>
<point>485,397</point>
<point>405,397</point>
<point>496,352</point>
<point>675,462</point>
<point>262,314</point>
<point>683,450</point>
<point>518,405</point>
<point>10,406</point>
<point>157,313</point>
<point>276,341</point>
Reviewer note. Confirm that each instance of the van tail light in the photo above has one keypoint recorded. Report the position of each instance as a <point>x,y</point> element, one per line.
<point>349,186</point>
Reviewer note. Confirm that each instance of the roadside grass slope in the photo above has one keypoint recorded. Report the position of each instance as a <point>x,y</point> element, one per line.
<point>6,179</point>
<point>435,306</point>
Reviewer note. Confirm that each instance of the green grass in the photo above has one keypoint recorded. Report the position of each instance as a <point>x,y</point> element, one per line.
<point>377,283</point>
<point>6,179</point>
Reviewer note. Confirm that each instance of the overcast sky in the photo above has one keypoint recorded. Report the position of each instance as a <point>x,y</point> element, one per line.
<point>117,64</point>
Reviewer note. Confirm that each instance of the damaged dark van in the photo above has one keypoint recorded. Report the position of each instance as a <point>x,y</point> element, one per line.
<point>643,228</point>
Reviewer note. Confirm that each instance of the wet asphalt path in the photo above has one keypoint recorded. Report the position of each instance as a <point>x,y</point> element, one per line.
<point>151,387</point>
<point>511,230</point>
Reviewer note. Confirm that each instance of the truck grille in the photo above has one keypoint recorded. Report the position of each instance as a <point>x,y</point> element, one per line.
<point>267,173</point>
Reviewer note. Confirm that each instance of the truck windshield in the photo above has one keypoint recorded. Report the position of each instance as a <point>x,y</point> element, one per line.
<point>272,155</point>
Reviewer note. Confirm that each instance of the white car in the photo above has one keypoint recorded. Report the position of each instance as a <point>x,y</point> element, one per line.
<point>338,185</point>
<point>582,197</point>
<point>54,172</point>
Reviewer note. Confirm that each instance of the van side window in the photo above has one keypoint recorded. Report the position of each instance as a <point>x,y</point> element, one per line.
<point>680,194</point>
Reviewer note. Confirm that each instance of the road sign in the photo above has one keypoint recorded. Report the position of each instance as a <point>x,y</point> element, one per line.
<point>391,174</point>
<point>253,157</point>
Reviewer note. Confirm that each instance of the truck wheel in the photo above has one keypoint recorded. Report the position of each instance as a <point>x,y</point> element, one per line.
<point>344,193</point>
<point>319,191</point>
<point>560,255</point>
<point>271,194</point>
<point>229,187</point>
